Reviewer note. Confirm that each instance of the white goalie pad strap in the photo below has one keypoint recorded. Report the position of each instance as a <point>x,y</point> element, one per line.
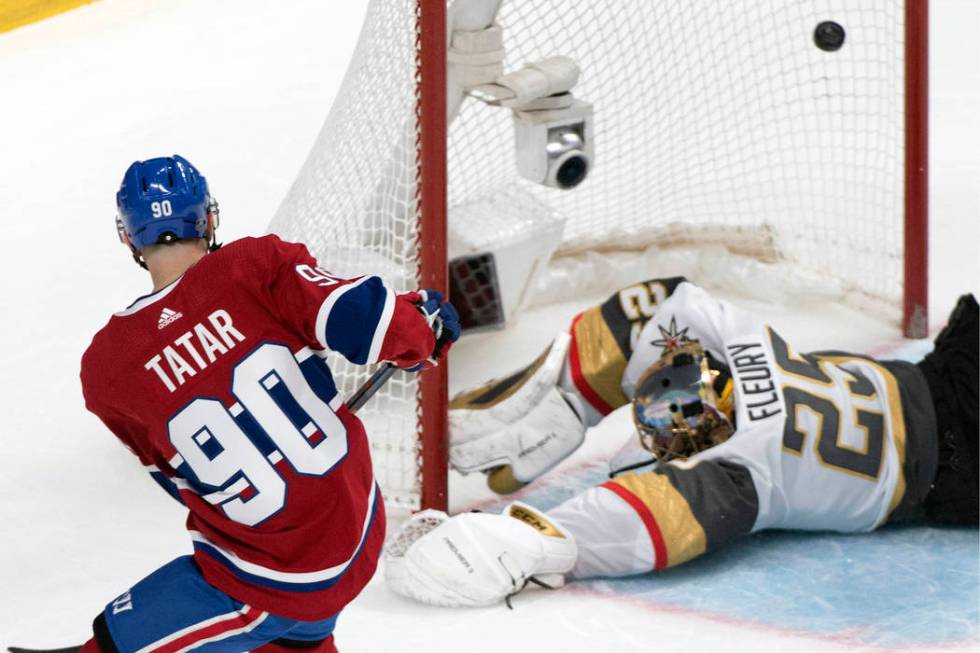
<point>477,559</point>
<point>540,79</point>
<point>531,446</point>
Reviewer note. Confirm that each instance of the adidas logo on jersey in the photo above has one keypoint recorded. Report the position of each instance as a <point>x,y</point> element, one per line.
<point>167,316</point>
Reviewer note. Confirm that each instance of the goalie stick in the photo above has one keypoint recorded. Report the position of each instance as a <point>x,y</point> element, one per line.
<point>354,403</point>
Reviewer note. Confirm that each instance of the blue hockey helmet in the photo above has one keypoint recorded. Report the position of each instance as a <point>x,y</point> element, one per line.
<point>162,200</point>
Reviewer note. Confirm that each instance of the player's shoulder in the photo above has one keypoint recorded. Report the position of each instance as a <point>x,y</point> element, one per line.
<point>102,340</point>
<point>268,249</point>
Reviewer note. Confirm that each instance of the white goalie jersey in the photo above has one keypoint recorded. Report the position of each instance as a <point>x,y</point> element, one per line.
<point>823,436</point>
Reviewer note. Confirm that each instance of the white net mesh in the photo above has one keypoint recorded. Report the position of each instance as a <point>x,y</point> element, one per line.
<point>717,117</point>
<point>356,191</point>
<point>714,123</point>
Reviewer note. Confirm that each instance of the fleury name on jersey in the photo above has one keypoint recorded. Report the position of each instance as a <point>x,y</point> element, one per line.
<point>751,367</point>
<point>739,433</point>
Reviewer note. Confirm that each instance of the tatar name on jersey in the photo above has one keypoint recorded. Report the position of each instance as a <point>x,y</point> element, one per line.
<point>173,369</point>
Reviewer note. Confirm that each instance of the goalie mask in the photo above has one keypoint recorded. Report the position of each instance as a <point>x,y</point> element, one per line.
<point>683,404</point>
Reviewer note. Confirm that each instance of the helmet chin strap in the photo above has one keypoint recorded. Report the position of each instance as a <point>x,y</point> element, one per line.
<point>214,220</point>
<point>137,255</point>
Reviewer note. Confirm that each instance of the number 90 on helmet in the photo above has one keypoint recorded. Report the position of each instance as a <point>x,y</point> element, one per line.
<point>683,404</point>
<point>162,200</point>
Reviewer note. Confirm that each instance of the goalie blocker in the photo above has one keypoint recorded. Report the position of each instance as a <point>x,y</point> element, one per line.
<point>517,428</point>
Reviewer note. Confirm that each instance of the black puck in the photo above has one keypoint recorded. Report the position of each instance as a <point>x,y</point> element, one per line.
<point>829,36</point>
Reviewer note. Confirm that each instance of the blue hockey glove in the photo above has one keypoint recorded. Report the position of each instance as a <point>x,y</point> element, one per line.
<point>443,319</point>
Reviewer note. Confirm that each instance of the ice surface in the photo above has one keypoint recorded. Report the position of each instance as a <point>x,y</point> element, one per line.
<point>241,89</point>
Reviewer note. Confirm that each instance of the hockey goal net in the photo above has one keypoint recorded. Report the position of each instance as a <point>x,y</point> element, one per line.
<point>793,131</point>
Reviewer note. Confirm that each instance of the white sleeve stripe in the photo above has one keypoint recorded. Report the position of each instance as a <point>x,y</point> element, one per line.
<point>295,577</point>
<point>324,313</point>
<point>243,612</point>
<point>231,492</point>
<point>225,635</point>
<point>383,323</point>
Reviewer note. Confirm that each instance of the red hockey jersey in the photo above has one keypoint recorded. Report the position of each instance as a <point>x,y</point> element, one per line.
<point>218,384</point>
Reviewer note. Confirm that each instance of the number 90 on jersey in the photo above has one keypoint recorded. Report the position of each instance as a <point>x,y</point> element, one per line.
<point>231,453</point>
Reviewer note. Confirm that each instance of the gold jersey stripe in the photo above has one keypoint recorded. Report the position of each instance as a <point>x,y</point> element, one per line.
<point>683,535</point>
<point>601,362</point>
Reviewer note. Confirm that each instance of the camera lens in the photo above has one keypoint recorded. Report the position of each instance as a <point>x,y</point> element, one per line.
<point>572,171</point>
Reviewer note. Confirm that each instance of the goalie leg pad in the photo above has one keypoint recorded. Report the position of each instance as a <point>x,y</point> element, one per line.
<point>501,402</point>
<point>525,421</point>
<point>548,434</point>
<point>478,559</point>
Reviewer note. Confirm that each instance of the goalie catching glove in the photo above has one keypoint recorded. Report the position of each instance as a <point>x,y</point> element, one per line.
<point>477,559</point>
<point>517,428</point>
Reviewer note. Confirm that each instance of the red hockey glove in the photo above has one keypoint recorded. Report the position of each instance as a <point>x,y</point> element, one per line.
<point>443,320</point>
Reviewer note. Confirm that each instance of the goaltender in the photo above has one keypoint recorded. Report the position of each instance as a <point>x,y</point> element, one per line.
<point>739,433</point>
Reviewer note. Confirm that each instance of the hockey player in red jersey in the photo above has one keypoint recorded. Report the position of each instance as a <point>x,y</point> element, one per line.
<point>735,432</point>
<point>217,381</point>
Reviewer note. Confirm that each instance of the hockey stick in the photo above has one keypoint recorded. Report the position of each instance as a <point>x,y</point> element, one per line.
<point>369,387</point>
<point>356,401</point>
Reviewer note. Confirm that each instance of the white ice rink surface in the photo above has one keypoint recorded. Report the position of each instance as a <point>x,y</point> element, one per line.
<point>241,88</point>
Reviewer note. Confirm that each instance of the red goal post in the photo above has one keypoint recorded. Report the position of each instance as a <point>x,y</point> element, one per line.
<point>431,112</point>
<point>915,300</point>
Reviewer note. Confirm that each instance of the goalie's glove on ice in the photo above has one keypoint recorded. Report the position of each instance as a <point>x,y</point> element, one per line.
<point>475,558</point>
<point>444,321</point>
